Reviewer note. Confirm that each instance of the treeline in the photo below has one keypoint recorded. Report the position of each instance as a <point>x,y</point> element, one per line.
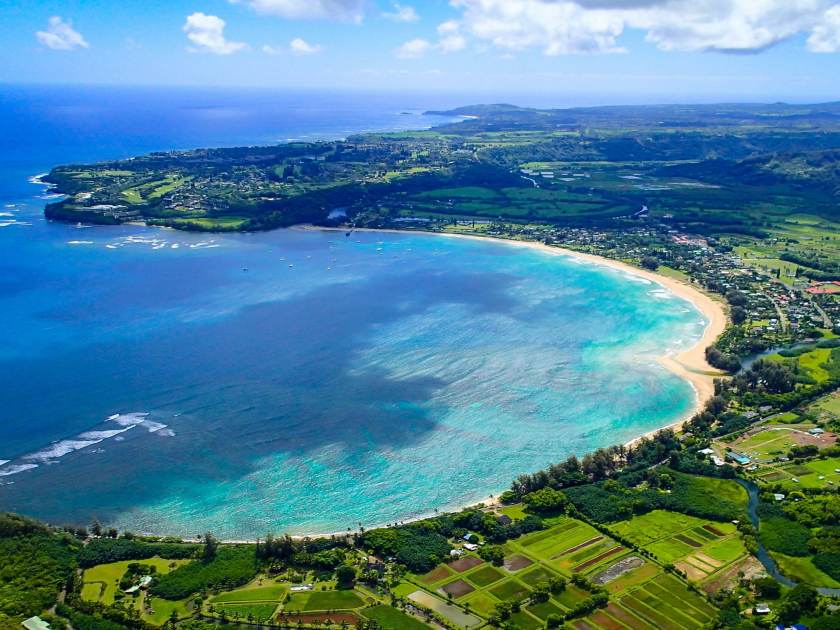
<point>35,562</point>
<point>104,550</point>
<point>622,498</point>
<point>596,466</point>
<point>226,568</point>
<point>319,553</point>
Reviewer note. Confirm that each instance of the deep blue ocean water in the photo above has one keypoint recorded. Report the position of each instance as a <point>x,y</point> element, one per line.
<point>292,381</point>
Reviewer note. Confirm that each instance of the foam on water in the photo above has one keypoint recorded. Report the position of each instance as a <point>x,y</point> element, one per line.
<point>14,469</point>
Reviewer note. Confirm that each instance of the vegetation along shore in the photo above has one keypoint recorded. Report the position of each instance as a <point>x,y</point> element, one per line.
<point>729,520</point>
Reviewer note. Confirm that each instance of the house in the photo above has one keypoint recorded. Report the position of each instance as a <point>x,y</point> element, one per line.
<point>816,431</point>
<point>779,497</point>
<point>706,451</point>
<point>35,623</point>
<point>470,546</point>
<point>504,519</point>
<point>300,587</point>
<point>761,609</point>
<point>456,553</point>
<point>717,460</point>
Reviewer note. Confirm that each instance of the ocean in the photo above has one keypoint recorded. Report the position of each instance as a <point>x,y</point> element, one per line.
<point>291,381</point>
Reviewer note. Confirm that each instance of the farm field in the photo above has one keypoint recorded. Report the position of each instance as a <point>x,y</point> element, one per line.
<point>698,547</point>
<point>310,601</point>
<point>390,618</point>
<point>255,593</point>
<point>815,473</point>
<point>570,547</point>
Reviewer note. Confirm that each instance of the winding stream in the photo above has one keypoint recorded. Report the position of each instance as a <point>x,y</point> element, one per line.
<point>762,554</point>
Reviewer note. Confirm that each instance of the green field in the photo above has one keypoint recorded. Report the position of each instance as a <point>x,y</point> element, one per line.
<point>803,570</point>
<point>805,475</point>
<point>697,546</point>
<point>323,600</point>
<point>102,581</point>
<point>274,592</point>
<point>242,611</point>
<point>485,576</point>
<point>392,619</point>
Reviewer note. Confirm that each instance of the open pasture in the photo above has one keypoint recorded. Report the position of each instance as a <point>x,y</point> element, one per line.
<point>256,593</point>
<point>390,618</point>
<point>102,581</point>
<point>323,600</point>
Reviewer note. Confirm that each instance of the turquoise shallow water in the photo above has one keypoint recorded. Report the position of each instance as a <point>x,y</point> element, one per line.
<point>336,381</point>
<point>304,382</point>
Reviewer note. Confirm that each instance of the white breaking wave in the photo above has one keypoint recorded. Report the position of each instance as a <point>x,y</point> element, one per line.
<point>59,449</point>
<point>80,242</point>
<point>139,419</point>
<point>56,450</point>
<point>17,468</point>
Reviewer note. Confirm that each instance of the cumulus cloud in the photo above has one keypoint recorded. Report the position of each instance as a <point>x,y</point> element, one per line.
<point>580,26</point>
<point>343,10</point>
<point>451,39</point>
<point>60,35</point>
<point>206,32</point>
<point>301,47</point>
<point>401,13</point>
<point>413,49</point>
<point>825,38</point>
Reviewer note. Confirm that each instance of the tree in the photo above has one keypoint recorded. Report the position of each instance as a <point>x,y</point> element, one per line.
<point>546,500</point>
<point>738,314</point>
<point>650,262</point>
<point>492,553</point>
<point>800,600</point>
<point>553,621</point>
<point>767,587</point>
<point>211,546</point>
<point>345,576</point>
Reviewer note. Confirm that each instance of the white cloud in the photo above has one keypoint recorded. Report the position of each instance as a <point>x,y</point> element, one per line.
<point>413,49</point>
<point>343,10</point>
<point>60,35</point>
<point>451,39</point>
<point>825,38</point>
<point>301,47</point>
<point>401,13</point>
<point>206,32</point>
<point>272,50</point>
<point>580,26</point>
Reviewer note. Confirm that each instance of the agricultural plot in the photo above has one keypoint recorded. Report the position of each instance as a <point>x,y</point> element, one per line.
<point>662,603</point>
<point>270,593</point>
<point>451,612</point>
<point>255,610</point>
<point>696,546</point>
<point>323,600</point>
<point>390,618</point>
<point>815,473</point>
<point>574,547</point>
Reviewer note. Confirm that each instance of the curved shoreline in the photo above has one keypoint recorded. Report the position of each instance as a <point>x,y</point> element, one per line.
<point>689,364</point>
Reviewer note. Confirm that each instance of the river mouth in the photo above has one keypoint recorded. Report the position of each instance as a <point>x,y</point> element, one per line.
<point>309,382</point>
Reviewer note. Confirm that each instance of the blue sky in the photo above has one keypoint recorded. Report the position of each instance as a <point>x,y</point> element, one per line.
<point>575,50</point>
